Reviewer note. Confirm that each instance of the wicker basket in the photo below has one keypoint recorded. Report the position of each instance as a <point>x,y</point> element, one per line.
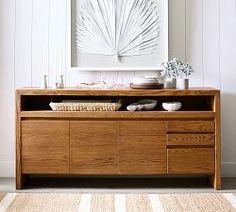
<point>86,106</point>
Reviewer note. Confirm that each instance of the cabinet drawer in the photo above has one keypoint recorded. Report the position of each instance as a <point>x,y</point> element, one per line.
<point>191,126</point>
<point>190,161</point>
<point>142,128</point>
<point>190,139</point>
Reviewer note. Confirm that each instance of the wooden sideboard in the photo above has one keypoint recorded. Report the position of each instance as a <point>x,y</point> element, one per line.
<point>120,143</point>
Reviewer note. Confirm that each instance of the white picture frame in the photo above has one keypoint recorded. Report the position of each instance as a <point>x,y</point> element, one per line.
<point>77,67</point>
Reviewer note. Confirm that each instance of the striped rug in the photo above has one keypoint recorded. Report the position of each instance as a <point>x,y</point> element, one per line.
<point>73,202</point>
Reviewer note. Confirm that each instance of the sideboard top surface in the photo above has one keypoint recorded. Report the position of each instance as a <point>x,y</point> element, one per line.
<point>118,92</point>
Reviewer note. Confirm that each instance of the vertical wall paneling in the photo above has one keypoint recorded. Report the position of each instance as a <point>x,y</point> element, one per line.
<point>177,30</point>
<point>125,77</point>
<point>39,38</point>
<point>67,21</point>
<point>73,78</point>
<point>7,97</point>
<point>211,43</point>
<point>57,38</point>
<point>110,77</point>
<point>23,43</point>
<point>228,79</point>
<point>194,39</point>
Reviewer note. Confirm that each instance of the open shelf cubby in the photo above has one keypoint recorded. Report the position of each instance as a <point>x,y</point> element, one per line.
<point>189,103</point>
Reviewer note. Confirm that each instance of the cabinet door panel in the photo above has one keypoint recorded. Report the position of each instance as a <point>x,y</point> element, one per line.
<point>142,155</point>
<point>45,147</point>
<point>94,147</point>
<point>190,161</point>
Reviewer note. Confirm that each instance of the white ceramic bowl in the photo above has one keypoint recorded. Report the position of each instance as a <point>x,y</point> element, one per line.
<point>171,106</point>
<point>145,80</point>
<point>150,106</point>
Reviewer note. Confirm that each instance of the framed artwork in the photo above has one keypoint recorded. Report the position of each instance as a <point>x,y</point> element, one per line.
<point>119,35</point>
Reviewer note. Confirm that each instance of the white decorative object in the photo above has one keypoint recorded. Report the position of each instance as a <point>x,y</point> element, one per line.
<point>171,106</point>
<point>145,79</point>
<point>182,83</point>
<point>175,68</point>
<point>44,84</point>
<point>55,85</point>
<point>146,104</point>
<point>118,28</point>
<point>94,85</point>
<point>116,35</point>
<point>170,83</point>
<point>61,82</point>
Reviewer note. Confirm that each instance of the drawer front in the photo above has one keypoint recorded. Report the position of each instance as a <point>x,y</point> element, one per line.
<point>190,161</point>
<point>191,126</point>
<point>134,128</point>
<point>45,147</point>
<point>190,140</point>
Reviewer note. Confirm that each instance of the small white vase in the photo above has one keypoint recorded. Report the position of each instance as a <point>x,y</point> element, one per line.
<point>44,83</point>
<point>182,83</point>
<point>170,83</point>
<point>61,82</point>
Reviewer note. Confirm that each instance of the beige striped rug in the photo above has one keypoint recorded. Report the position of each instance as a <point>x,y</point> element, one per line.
<point>71,202</point>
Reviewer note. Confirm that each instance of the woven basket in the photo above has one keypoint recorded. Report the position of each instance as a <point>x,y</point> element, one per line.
<point>86,106</point>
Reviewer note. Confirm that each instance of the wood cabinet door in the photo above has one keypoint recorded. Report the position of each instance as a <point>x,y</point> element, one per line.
<point>142,148</point>
<point>94,147</point>
<point>45,147</point>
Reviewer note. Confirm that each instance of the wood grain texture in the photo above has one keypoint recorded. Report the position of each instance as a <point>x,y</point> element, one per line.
<point>190,161</point>
<point>191,126</point>
<point>116,92</point>
<point>19,180</point>
<point>136,128</point>
<point>119,142</point>
<point>216,182</point>
<point>190,140</point>
<point>94,146</point>
<point>119,114</point>
<point>142,155</point>
<point>45,147</point>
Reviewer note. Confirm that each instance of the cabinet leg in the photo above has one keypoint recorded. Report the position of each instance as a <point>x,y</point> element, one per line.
<point>21,180</point>
<point>215,181</point>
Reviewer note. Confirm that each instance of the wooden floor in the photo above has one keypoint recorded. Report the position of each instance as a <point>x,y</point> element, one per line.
<point>118,185</point>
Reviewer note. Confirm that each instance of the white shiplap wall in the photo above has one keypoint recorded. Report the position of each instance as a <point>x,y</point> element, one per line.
<point>200,32</point>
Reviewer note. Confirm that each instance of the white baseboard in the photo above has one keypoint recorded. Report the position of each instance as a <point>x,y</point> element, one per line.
<point>7,169</point>
<point>229,169</point>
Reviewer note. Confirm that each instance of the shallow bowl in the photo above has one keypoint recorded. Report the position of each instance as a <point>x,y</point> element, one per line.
<point>171,106</point>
